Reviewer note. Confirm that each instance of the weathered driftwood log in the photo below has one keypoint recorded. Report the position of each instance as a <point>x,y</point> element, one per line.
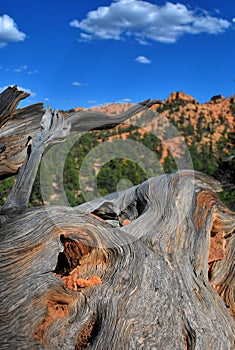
<point>71,280</point>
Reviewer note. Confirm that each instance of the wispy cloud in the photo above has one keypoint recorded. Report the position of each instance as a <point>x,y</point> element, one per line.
<point>126,99</point>
<point>32,94</point>
<point>233,20</point>
<point>77,83</point>
<point>9,31</point>
<point>143,59</point>
<point>30,72</point>
<point>20,69</point>
<point>146,21</point>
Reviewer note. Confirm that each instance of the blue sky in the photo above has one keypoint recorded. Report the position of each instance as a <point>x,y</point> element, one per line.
<point>86,52</point>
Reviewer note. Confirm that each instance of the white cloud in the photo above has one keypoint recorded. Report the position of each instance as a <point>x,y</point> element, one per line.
<point>9,31</point>
<point>32,72</point>
<point>32,94</point>
<point>142,59</point>
<point>20,69</point>
<point>127,100</point>
<point>146,21</point>
<point>92,101</point>
<point>74,23</point>
<point>142,41</point>
<point>77,83</point>
<point>233,20</point>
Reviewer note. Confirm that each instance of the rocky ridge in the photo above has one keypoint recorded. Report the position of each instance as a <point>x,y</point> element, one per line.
<point>214,119</point>
<point>219,111</point>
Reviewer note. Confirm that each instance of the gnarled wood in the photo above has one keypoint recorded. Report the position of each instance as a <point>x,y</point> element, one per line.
<point>9,100</point>
<point>14,135</point>
<point>154,292</point>
<point>71,278</point>
<point>54,129</point>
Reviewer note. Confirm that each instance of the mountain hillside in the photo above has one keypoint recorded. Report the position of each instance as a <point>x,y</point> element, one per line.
<point>207,130</point>
<point>208,122</point>
<point>211,119</point>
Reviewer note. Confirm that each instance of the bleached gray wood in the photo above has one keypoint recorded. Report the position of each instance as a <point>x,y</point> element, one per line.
<point>155,291</point>
<point>85,120</point>
<point>54,129</point>
<point>9,100</point>
<point>14,135</point>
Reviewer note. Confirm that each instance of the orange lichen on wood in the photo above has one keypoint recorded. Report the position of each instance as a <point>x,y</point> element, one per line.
<point>82,283</point>
<point>55,309</point>
<point>72,282</point>
<point>125,222</point>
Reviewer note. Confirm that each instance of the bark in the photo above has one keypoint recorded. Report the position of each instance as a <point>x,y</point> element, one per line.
<point>127,271</point>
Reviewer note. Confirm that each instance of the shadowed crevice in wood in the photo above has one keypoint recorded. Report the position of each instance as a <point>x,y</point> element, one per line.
<point>80,260</point>
<point>88,333</point>
<point>189,335</point>
<point>124,216</point>
<point>70,258</point>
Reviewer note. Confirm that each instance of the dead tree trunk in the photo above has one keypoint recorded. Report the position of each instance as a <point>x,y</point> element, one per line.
<point>71,278</point>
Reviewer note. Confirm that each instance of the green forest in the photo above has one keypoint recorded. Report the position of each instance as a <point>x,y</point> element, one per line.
<point>135,154</point>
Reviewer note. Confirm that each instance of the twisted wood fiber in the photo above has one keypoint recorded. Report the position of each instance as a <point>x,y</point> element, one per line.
<point>155,291</point>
